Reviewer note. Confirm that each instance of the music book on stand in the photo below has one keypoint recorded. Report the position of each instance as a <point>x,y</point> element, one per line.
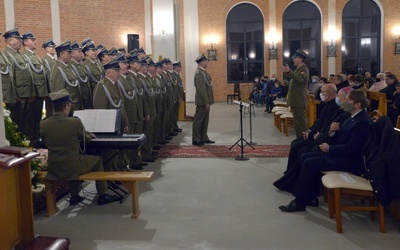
<point>100,120</point>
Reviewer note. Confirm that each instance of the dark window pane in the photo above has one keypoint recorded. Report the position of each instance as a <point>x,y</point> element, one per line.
<point>244,13</point>
<point>350,27</point>
<point>235,72</point>
<point>255,51</point>
<point>310,29</point>
<point>236,32</point>
<point>254,31</point>
<point>292,30</point>
<point>236,51</point>
<point>350,66</point>
<point>352,9</point>
<point>254,70</point>
<point>369,47</point>
<point>370,26</point>
<point>350,47</point>
<point>301,10</point>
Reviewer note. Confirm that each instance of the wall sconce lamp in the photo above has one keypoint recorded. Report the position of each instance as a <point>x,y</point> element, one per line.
<point>212,52</point>
<point>273,52</point>
<point>331,49</point>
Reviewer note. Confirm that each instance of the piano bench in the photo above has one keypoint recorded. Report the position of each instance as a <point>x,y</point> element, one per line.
<point>51,243</point>
<point>130,181</point>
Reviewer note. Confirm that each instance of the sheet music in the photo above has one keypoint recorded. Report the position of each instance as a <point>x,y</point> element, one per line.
<point>98,120</point>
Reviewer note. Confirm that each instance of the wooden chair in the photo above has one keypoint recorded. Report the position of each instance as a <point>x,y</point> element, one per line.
<point>398,122</point>
<point>381,99</point>
<point>346,185</point>
<point>236,94</point>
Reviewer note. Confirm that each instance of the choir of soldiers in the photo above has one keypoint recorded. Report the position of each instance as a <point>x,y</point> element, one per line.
<point>147,93</point>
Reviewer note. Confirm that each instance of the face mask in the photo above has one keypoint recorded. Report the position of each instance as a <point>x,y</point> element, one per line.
<point>346,106</point>
<point>273,79</point>
<point>337,101</point>
<point>322,96</point>
<point>351,83</point>
<point>314,80</point>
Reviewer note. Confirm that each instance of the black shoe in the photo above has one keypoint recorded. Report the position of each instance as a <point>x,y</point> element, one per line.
<point>178,130</point>
<point>168,138</point>
<point>293,207</point>
<point>106,198</point>
<point>313,202</point>
<point>143,164</point>
<point>208,141</point>
<point>173,134</point>
<point>149,160</point>
<point>154,153</point>
<point>197,143</point>
<point>137,167</point>
<point>75,200</point>
<point>269,111</point>
<point>156,147</point>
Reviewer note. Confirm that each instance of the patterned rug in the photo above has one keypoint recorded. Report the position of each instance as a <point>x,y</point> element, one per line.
<point>212,151</point>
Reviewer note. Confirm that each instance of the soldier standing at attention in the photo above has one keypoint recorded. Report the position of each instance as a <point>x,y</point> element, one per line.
<point>297,99</point>
<point>48,61</point>
<point>62,76</point>
<point>22,78</point>
<point>82,74</point>
<point>62,136</point>
<point>35,106</point>
<point>7,79</point>
<point>177,67</point>
<point>107,95</point>
<point>94,69</point>
<point>204,98</point>
<point>170,95</point>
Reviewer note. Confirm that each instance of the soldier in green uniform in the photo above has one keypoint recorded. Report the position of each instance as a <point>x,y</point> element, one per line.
<point>177,67</point>
<point>35,106</point>
<point>296,97</point>
<point>129,157</point>
<point>94,69</point>
<point>204,98</point>
<point>104,56</point>
<point>22,78</point>
<point>108,95</point>
<point>149,111</point>
<point>62,136</point>
<point>62,76</point>
<point>48,61</point>
<point>170,94</point>
<point>82,74</point>
<point>7,79</point>
<point>162,85</point>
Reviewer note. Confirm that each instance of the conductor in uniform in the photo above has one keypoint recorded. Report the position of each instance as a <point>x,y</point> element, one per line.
<point>62,135</point>
<point>297,91</point>
<point>204,98</point>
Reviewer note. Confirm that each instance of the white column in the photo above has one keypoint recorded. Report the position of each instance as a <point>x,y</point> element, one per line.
<point>10,15</point>
<point>272,31</point>
<point>163,29</point>
<point>55,21</point>
<point>332,28</point>
<point>147,28</point>
<point>191,30</point>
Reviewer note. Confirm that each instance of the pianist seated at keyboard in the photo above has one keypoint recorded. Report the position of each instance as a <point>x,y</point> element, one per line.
<point>62,136</point>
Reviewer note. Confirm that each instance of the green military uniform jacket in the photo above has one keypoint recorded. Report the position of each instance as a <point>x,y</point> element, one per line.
<point>95,72</point>
<point>38,73</point>
<point>157,85</point>
<point>62,136</point>
<point>149,97</point>
<point>130,100</point>
<point>170,91</point>
<point>179,87</point>
<point>107,95</point>
<point>298,86</point>
<point>48,63</point>
<point>84,84</point>
<point>204,91</point>
<point>22,76</point>
<point>139,91</point>
<point>62,77</point>
<point>7,79</point>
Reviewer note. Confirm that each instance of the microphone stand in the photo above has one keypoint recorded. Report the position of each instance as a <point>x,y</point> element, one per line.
<point>251,128</point>
<point>243,142</point>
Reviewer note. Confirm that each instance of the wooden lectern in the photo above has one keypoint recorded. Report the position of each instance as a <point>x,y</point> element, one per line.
<point>16,208</point>
<point>182,111</point>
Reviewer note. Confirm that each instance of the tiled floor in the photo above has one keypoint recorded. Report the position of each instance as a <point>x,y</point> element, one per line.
<point>215,203</point>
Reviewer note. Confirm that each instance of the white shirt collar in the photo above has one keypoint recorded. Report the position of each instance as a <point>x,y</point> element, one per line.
<point>110,80</point>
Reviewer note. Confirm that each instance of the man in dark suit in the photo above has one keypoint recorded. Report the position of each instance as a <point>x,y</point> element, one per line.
<point>297,91</point>
<point>342,152</point>
<point>62,135</point>
<point>204,98</point>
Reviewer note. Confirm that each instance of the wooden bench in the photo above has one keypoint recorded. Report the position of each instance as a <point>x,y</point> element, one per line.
<point>311,109</point>
<point>381,99</point>
<point>130,181</point>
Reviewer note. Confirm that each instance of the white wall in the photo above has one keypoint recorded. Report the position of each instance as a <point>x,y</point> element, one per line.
<point>163,30</point>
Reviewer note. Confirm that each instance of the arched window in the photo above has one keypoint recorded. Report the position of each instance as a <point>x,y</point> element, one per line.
<point>302,30</point>
<point>245,43</point>
<point>361,36</point>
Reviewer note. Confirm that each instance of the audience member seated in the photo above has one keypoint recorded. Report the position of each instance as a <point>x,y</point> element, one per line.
<point>270,85</point>
<point>314,86</point>
<point>369,79</point>
<point>62,136</point>
<point>257,85</point>
<point>337,80</point>
<point>358,82</point>
<point>261,94</point>
<point>396,102</point>
<point>275,92</point>
<point>313,136</point>
<point>390,90</point>
<point>341,152</point>
<point>379,83</point>
<point>285,89</point>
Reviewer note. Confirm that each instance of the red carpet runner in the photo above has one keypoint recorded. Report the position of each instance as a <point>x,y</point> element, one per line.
<point>210,151</point>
